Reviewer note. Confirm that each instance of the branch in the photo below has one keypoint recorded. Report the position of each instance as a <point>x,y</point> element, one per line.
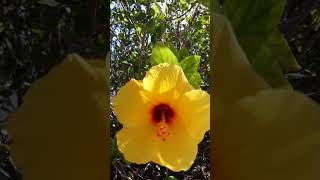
<point>127,13</point>
<point>184,12</point>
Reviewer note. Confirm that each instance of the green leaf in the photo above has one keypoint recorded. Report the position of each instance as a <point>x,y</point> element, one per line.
<point>173,49</point>
<point>154,38</point>
<point>172,178</point>
<point>255,24</point>
<point>195,80</point>
<point>162,54</point>
<point>204,19</point>
<point>190,68</point>
<point>139,29</point>
<point>183,53</point>
<point>139,16</point>
<point>190,64</point>
<point>157,9</point>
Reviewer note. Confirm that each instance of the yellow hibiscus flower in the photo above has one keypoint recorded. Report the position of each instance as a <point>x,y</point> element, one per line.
<point>164,118</point>
<point>258,132</point>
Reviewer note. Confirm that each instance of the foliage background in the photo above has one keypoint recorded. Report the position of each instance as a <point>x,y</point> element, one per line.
<point>300,25</point>
<point>136,25</point>
<point>35,35</point>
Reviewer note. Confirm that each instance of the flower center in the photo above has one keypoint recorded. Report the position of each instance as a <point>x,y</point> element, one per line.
<point>162,116</point>
<point>162,112</point>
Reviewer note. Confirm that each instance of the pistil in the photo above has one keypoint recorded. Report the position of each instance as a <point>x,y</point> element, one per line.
<point>163,131</point>
<point>162,117</point>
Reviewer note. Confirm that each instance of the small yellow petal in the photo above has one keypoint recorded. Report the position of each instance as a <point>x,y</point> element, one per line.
<point>194,111</point>
<point>132,104</point>
<point>164,77</point>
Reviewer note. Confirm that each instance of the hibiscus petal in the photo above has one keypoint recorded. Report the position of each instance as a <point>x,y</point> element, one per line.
<point>178,151</point>
<point>165,77</point>
<point>137,143</point>
<point>273,135</point>
<point>194,111</point>
<point>59,132</point>
<point>132,104</point>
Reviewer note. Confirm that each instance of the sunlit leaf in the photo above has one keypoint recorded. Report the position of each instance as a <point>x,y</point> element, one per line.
<point>157,9</point>
<point>190,68</point>
<point>173,49</point>
<point>162,54</point>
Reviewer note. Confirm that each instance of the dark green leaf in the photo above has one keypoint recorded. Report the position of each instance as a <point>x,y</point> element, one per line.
<point>183,53</point>
<point>190,68</point>
<point>255,24</point>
